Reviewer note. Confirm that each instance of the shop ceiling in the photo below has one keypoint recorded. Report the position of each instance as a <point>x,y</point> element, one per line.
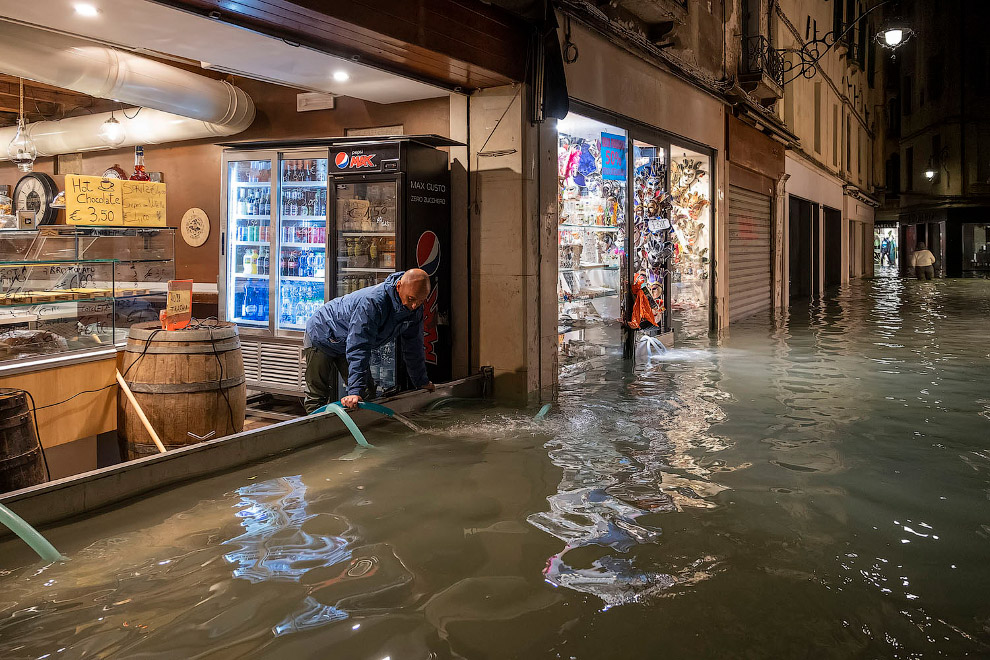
<point>159,31</point>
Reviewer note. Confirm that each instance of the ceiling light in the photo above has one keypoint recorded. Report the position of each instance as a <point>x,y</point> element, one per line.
<point>112,132</point>
<point>22,150</point>
<point>929,174</point>
<point>341,76</point>
<point>87,10</point>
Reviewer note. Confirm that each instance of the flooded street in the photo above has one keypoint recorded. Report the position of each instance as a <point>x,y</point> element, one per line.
<point>817,488</point>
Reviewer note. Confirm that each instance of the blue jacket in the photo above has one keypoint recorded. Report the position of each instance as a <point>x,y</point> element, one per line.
<point>355,324</point>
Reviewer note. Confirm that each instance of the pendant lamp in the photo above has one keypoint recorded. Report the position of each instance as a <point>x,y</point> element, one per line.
<point>22,149</point>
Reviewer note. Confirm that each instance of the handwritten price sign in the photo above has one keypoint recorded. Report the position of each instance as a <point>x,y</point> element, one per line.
<point>93,200</point>
<point>144,204</point>
<point>178,306</point>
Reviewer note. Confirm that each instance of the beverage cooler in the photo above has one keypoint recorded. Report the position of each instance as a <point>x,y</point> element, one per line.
<point>308,221</point>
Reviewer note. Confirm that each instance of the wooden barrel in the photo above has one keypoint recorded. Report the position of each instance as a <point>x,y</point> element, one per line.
<point>21,462</point>
<point>190,384</point>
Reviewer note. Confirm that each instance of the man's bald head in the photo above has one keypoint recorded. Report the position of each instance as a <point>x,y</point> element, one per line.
<point>413,288</point>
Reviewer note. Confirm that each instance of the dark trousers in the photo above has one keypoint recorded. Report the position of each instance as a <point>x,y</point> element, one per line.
<point>321,373</point>
<point>924,272</point>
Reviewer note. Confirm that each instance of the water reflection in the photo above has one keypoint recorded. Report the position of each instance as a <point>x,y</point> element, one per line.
<point>646,452</point>
<point>275,547</point>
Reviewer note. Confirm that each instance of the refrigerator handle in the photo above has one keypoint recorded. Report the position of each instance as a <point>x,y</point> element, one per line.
<point>223,243</point>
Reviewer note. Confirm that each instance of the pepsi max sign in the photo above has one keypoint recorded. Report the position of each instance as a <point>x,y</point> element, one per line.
<point>355,160</point>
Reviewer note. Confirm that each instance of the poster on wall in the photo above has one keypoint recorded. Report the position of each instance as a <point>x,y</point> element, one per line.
<point>613,157</point>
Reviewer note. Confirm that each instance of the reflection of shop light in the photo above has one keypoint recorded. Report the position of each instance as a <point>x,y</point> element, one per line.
<point>930,174</point>
<point>341,76</point>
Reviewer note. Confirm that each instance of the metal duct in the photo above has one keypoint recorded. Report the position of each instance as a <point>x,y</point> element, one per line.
<point>178,104</point>
<point>74,134</point>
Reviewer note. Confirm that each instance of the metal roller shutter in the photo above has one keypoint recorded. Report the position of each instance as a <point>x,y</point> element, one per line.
<point>749,253</point>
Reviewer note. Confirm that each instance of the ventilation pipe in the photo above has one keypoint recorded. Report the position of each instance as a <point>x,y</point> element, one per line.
<point>177,104</point>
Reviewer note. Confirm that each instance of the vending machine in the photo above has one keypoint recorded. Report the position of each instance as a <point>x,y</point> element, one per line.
<point>312,220</point>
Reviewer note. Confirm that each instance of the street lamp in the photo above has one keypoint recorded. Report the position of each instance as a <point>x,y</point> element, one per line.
<point>893,34</point>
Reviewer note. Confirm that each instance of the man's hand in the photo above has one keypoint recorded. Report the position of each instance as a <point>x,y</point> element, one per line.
<point>430,387</point>
<point>351,400</point>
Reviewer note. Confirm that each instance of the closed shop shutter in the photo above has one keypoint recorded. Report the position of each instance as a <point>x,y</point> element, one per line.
<point>749,253</point>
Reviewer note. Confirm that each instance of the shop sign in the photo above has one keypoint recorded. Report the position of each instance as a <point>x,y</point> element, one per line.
<point>613,157</point>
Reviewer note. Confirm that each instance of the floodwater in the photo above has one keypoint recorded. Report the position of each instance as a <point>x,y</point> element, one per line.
<point>815,489</point>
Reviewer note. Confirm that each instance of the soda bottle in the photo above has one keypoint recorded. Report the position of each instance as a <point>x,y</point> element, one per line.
<point>373,252</point>
<point>303,263</point>
<point>263,262</point>
<point>292,267</point>
<point>250,303</point>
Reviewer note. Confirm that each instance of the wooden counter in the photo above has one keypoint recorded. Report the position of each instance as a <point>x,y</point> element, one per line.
<point>58,377</point>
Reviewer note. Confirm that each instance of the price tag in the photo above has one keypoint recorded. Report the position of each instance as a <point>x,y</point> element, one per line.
<point>144,204</point>
<point>93,200</point>
<point>178,307</point>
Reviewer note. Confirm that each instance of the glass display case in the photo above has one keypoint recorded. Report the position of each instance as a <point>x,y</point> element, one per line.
<point>68,288</point>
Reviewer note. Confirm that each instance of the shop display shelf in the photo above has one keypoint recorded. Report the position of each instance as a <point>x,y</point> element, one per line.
<point>297,278</point>
<point>304,184</point>
<point>581,297</point>
<point>368,270</point>
<point>589,267</point>
<point>588,227</point>
<point>56,262</point>
<point>251,276</point>
<point>238,216</point>
<point>252,184</point>
<point>359,234</point>
<point>307,246</point>
<point>250,242</point>
<point>13,303</point>
<point>303,218</point>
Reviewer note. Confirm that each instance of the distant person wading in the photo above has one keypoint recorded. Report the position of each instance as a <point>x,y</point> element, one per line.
<point>924,263</point>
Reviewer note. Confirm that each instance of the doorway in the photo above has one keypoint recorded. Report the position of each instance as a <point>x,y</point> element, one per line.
<point>802,248</point>
<point>833,247</point>
<point>885,245</point>
<point>591,277</point>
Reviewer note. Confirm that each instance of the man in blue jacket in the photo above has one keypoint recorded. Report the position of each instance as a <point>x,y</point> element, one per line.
<point>342,334</point>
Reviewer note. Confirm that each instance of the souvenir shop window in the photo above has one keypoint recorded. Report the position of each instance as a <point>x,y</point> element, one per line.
<point>690,198</point>
<point>592,231</point>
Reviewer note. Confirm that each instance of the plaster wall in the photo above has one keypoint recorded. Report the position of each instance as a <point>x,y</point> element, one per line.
<point>508,245</point>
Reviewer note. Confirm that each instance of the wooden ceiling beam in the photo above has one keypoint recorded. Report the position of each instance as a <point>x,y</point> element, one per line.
<point>47,93</point>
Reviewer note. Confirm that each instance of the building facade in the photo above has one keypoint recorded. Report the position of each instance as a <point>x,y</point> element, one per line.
<point>938,135</point>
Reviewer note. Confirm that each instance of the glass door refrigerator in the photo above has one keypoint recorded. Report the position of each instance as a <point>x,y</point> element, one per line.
<point>302,240</point>
<point>247,252</point>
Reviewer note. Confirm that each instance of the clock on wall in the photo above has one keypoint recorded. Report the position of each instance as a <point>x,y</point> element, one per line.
<point>35,192</point>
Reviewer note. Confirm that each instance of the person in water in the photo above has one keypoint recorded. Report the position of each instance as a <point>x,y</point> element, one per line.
<point>341,335</point>
<point>924,263</point>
